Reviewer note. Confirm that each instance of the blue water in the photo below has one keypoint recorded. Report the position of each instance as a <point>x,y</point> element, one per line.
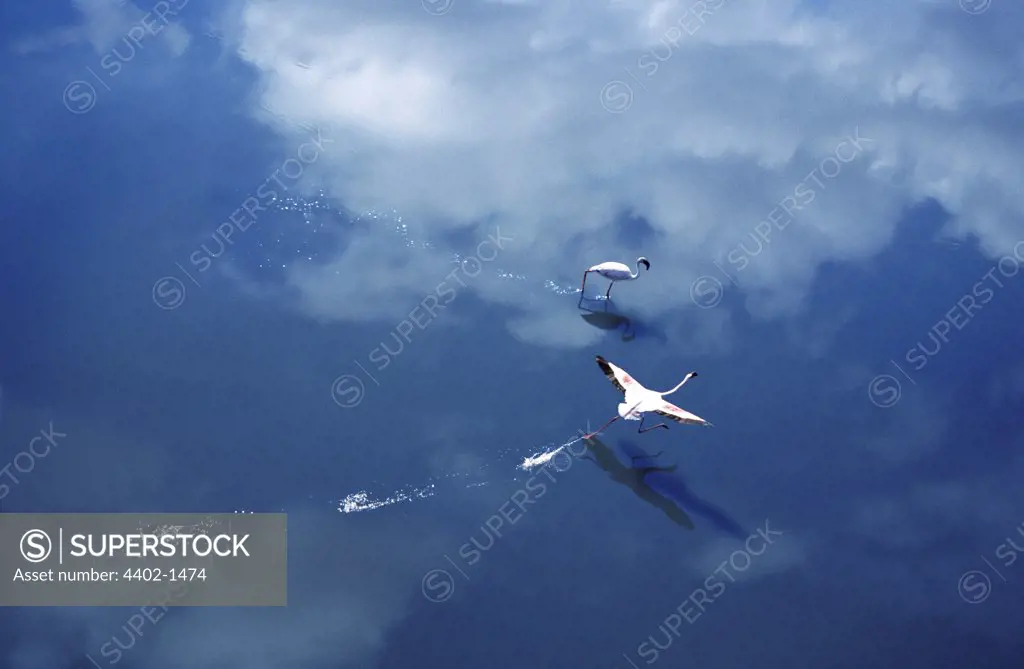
<point>858,501</point>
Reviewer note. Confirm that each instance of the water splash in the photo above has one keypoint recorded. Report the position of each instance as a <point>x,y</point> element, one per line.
<point>279,245</point>
<point>202,527</point>
<point>362,501</point>
<point>540,459</point>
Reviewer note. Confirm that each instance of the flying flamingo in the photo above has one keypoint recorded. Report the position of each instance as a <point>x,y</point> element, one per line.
<point>615,271</point>
<point>639,400</point>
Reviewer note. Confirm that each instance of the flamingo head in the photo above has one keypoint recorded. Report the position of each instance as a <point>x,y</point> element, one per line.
<point>643,261</point>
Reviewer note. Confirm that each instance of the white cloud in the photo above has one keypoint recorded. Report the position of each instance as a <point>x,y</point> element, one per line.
<point>347,588</point>
<point>921,540</point>
<point>780,550</point>
<point>492,112</point>
<point>107,22</point>
<point>911,433</point>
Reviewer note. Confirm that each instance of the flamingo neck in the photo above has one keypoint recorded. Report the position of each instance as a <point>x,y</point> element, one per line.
<point>669,392</point>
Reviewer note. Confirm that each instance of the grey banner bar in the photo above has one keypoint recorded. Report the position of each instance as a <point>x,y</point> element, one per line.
<point>143,559</point>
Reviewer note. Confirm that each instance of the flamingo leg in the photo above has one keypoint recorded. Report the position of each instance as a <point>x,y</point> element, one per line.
<point>641,429</point>
<point>600,429</point>
<point>584,284</point>
<point>607,292</point>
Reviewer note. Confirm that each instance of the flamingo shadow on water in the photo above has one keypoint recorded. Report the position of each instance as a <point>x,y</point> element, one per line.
<point>634,477</point>
<point>610,318</point>
<point>674,487</point>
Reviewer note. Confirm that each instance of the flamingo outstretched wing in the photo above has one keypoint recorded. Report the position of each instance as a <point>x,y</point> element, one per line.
<point>618,376</point>
<point>669,410</point>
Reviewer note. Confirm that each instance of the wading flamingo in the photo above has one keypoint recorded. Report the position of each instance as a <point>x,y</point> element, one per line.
<point>615,271</point>
<point>639,400</point>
